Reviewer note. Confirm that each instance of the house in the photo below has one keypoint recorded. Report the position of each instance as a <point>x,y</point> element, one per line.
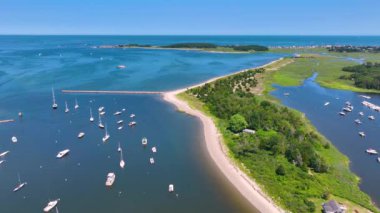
<point>332,207</point>
<point>249,131</point>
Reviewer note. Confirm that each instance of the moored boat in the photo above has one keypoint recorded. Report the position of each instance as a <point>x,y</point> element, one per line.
<point>371,151</point>
<point>101,109</point>
<point>342,113</point>
<point>117,113</point>
<point>4,153</point>
<point>144,141</point>
<point>81,135</point>
<point>100,123</point>
<point>362,134</point>
<point>327,103</point>
<point>132,123</point>
<point>121,66</point>
<point>119,121</point>
<point>20,184</point>
<point>171,187</point>
<point>361,113</point>
<point>51,205</point>
<point>151,160</point>
<point>76,106</point>
<point>91,117</point>
<point>132,116</point>
<point>14,139</point>
<point>66,107</point>
<point>371,117</point>
<point>357,121</point>
<point>154,149</point>
<point>110,179</point>
<point>63,153</point>
<point>106,136</point>
<point>55,105</point>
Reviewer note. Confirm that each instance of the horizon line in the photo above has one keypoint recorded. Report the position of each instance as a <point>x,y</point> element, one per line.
<point>11,34</point>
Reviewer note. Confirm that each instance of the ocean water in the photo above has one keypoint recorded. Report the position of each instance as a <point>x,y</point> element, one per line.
<point>342,131</point>
<point>31,65</point>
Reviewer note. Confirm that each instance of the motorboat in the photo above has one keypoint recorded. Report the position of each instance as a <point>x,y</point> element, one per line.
<point>20,184</point>
<point>327,103</point>
<point>154,149</point>
<point>110,179</point>
<point>117,113</point>
<point>81,135</point>
<point>51,205</point>
<point>63,153</point>
<point>357,121</point>
<point>371,117</point>
<point>342,113</point>
<point>101,109</point>
<point>119,121</point>
<point>151,160</point>
<point>132,123</point>
<point>371,151</point>
<point>171,187</point>
<point>362,134</point>
<point>144,141</point>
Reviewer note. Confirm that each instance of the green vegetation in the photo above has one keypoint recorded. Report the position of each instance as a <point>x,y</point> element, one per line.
<point>297,166</point>
<point>239,48</point>
<point>350,49</point>
<point>364,76</point>
<point>191,45</point>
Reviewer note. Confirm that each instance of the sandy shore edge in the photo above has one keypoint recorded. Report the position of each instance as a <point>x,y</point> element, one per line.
<point>218,152</point>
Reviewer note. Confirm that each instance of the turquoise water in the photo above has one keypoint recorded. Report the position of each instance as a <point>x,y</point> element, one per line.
<point>30,66</point>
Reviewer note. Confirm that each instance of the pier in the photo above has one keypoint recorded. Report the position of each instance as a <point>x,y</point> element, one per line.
<point>112,92</point>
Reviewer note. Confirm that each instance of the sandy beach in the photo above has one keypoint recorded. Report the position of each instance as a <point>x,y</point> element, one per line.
<point>219,153</point>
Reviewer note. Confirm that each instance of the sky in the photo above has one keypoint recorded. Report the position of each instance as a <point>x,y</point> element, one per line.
<point>190,17</point>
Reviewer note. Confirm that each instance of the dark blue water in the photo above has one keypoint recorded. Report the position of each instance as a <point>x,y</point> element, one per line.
<point>341,130</point>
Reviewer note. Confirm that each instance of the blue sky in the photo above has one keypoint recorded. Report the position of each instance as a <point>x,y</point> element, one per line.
<point>191,17</point>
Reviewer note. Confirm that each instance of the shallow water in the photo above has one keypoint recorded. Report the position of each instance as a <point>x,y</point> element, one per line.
<point>310,98</point>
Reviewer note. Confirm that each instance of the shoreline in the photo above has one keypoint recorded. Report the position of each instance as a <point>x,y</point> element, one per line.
<point>217,150</point>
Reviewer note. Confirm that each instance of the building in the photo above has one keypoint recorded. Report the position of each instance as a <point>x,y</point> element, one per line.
<point>332,207</point>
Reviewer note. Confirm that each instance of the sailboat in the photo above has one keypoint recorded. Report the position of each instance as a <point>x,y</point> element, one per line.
<point>122,163</point>
<point>55,105</point>
<point>66,108</point>
<point>76,104</point>
<point>100,123</point>
<point>51,205</point>
<point>91,117</point>
<point>106,136</point>
<point>20,185</point>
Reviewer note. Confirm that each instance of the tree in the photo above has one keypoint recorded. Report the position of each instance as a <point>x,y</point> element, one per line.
<point>237,123</point>
<point>280,170</point>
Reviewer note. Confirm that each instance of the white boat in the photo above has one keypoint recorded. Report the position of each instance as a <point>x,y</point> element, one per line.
<point>20,114</point>
<point>120,128</point>
<point>144,141</point>
<point>361,113</point>
<point>101,109</point>
<point>106,136</point>
<point>371,151</point>
<point>132,116</point>
<point>4,153</point>
<point>151,160</point>
<point>2,161</point>
<point>121,66</point>
<point>91,117</point>
<point>117,113</point>
<point>286,94</point>
<point>55,105</point>
<point>119,148</point>
<point>102,113</point>
<point>122,163</point>
<point>66,108</point>
<point>171,187</point>
<point>100,123</point>
<point>378,159</point>
<point>81,135</point>
<point>327,103</point>
<point>371,117</point>
<point>76,106</point>
<point>63,153</point>
<point>342,113</point>
<point>14,139</point>
<point>123,109</point>
<point>357,121</point>
<point>51,205</point>
<point>20,185</point>
<point>347,109</point>
<point>132,123</point>
<point>365,96</point>
<point>119,121</point>
<point>154,149</point>
<point>362,134</point>
<point>110,179</point>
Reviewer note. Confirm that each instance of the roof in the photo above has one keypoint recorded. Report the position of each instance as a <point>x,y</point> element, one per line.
<point>331,206</point>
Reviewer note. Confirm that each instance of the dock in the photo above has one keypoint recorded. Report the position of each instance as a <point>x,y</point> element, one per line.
<point>371,105</point>
<point>7,121</point>
<point>112,92</point>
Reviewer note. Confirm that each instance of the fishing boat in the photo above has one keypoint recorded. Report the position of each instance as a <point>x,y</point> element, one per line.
<point>101,109</point>
<point>51,205</point>
<point>154,149</point>
<point>91,117</point>
<point>132,123</point>
<point>144,141</point>
<point>100,123</point>
<point>76,106</point>
<point>362,134</point>
<point>357,121</point>
<point>119,121</point>
<point>4,153</point>
<point>151,160</point>
<point>342,113</point>
<point>66,108</point>
<point>63,153</point>
<point>371,151</point>
<point>117,113</point>
<point>371,117</point>
<point>55,105</point>
<point>121,66</point>
<point>81,135</point>
<point>327,103</point>
<point>361,113</point>
<point>171,187</point>
<point>110,179</point>
<point>106,136</point>
<point>20,184</point>
<point>132,116</point>
<point>14,139</point>
<point>122,163</point>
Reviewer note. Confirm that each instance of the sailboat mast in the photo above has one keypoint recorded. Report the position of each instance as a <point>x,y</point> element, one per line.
<point>52,90</point>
